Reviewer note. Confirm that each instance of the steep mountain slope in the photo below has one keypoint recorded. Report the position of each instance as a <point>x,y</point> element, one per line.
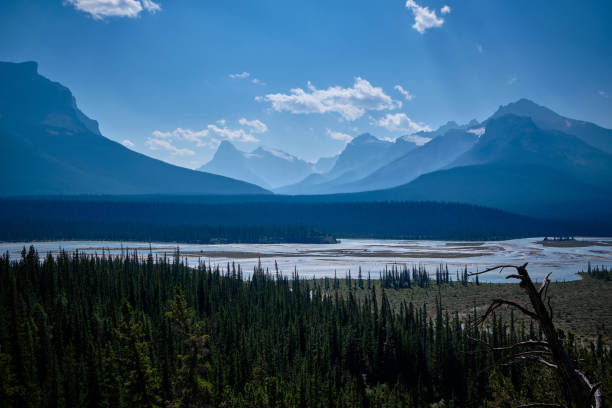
<point>517,141</point>
<point>279,168</point>
<point>450,125</point>
<point>363,155</point>
<point>520,167</point>
<point>531,190</point>
<point>433,155</point>
<point>231,162</point>
<point>325,164</point>
<point>545,118</point>
<point>264,166</point>
<point>51,147</point>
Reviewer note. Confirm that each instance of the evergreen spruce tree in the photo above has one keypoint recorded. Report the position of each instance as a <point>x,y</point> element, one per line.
<point>139,380</point>
<point>192,385</point>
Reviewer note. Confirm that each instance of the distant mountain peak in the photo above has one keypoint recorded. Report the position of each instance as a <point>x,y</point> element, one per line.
<point>226,145</point>
<point>526,107</point>
<point>264,166</point>
<point>546,118</point>
<point>264,150</point>
<point>27,68</point>
<point>51,147</point>
<point>364,138</point>
<point>525,101</point>
<point>35,99</point>
<point>432,134</point>
<point>513,119</point>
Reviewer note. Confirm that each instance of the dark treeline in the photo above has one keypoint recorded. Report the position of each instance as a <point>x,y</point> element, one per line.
<point>94,229</point>
<point>402,277</point>
<point>599,272</point>
<point>124,331</point>
<point>281,221</point>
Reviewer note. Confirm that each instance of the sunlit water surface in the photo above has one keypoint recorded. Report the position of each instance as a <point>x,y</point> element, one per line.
<point>371,255</point>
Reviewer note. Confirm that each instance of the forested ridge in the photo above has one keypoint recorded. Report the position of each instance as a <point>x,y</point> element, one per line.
<point>133,331</point>
<point>205,220</point>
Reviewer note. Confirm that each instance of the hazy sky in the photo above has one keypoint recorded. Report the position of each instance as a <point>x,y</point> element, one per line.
<point>172,78</point>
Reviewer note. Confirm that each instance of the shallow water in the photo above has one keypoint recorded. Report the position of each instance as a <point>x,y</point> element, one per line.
<point>371,255</point>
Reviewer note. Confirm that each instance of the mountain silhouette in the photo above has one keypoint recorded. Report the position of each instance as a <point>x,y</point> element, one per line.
<point>363,155</point>
<point>518,166</point>
<point>264,166</point>
<point>433,155</point>
<point>545,118</point>
<point>51,147</point>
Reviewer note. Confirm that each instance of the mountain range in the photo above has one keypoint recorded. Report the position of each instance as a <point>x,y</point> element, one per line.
<point>524,158</point>
<point>364,154</point>
<point>50,147</point>
<point>433,155</point>
<point>517,166</point>
<point>545,118</point>
<point>266,167</point>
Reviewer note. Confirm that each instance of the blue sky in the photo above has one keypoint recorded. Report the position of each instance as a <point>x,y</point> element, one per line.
<point>169,77</point>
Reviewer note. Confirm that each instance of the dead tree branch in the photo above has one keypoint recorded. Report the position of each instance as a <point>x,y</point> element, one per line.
<point>500,267</point>
<point>500,302</point>
<point>580,391</point>
<point>527,343</point>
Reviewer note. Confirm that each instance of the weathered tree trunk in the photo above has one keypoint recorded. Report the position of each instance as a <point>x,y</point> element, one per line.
<point>580,391</point>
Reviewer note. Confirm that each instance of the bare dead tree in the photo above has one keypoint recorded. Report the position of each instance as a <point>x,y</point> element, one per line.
<point>580,390</point>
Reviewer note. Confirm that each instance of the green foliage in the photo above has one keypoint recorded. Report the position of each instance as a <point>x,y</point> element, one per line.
<point>101,331</point>
<point>599,272</point>
<point>8,388</point>
<point>192,387</point>
<point>139,379</point>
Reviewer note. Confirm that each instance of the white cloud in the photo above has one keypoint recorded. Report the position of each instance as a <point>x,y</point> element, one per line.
<point>479,48</point>
<point>603,93</point>
<point>209,137</point>
<point>404,92</point>
<point>478,131</point>
<point>350,103</point>
<point>151,6</point>
<point>416,139</point>
<point>424,18</point>
<point>128,143</point>
<point>400,121</point>
<point>234,135</point>
<point>445,10</point>
<point>339,136</point>
<point>246,75</point>
<point>161,144</point>
<point>99,9</point>
<point>241,75</point>
<point>200,138</point>
<point>257,125</point>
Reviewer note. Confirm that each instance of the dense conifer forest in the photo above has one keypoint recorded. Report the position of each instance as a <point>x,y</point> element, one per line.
<point>137,331</point>
<point>280,219</point>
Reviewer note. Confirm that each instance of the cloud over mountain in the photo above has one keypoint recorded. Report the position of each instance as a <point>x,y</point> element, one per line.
<point>350,103</point>
<point>400,121</point>
<point>257,125</point>
<point>339,136</point>
<point>161,144</point>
